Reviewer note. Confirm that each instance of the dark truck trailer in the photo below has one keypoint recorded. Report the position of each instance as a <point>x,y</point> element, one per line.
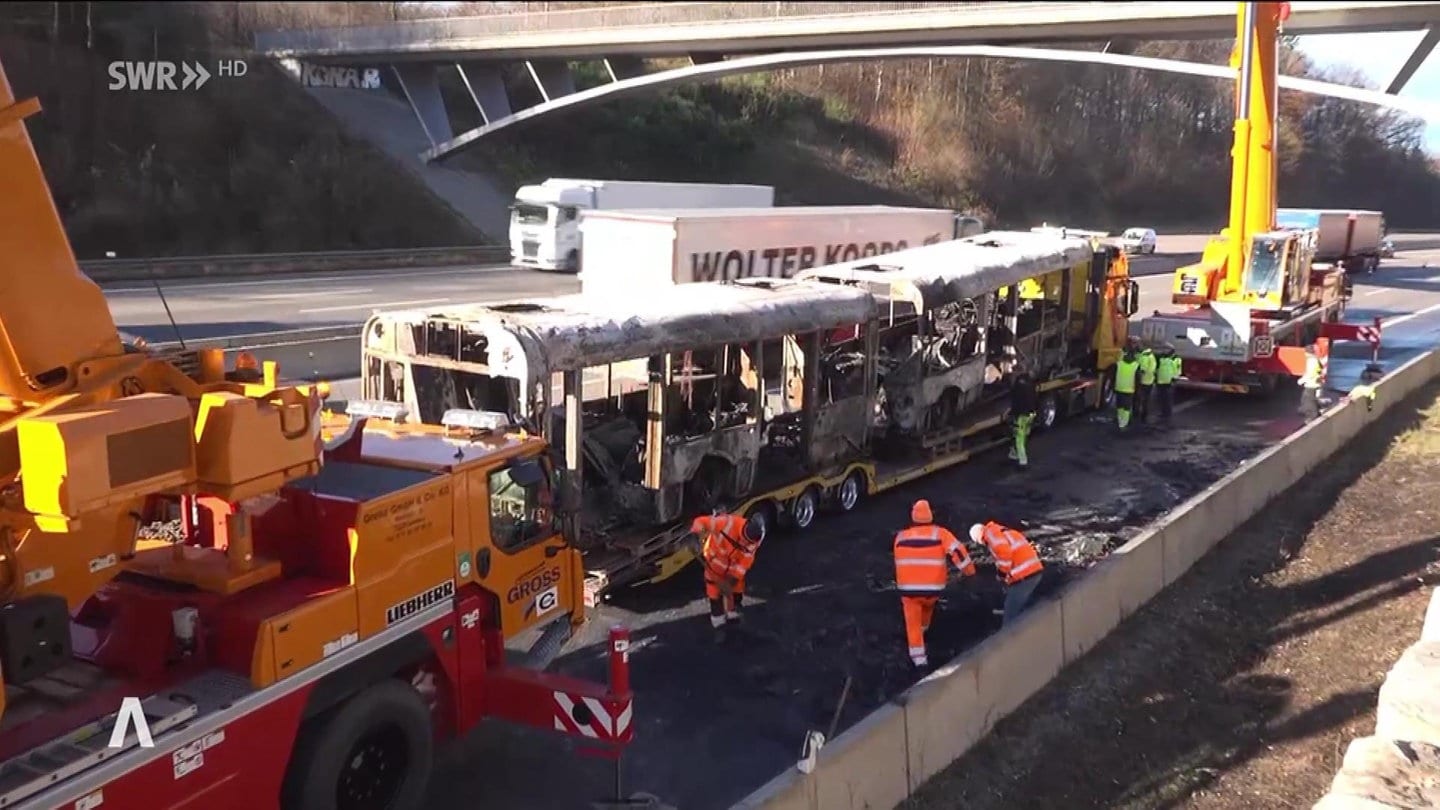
<point>1346,237</point>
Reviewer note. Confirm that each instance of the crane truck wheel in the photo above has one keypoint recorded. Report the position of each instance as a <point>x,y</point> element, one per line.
<point>372,752</point>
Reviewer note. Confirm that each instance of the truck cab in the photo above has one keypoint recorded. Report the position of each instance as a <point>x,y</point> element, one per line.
<point>545,226</point>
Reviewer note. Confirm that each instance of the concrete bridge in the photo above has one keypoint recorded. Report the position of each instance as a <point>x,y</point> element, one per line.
<point>386,80</point>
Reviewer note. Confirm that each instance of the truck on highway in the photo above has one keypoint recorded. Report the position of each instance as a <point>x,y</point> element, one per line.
<point>545,218</point>
<point>307,620</point>
<point>630,250</point>
<point>1350,239</point>
<point>774,397</point>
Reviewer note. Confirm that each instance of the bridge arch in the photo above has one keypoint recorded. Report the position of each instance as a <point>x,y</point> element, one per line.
<point>760,64</point>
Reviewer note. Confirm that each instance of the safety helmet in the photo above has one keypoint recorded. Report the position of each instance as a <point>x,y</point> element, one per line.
<point>977,532</point>
<point>920,512</point>
<point>754,532</point>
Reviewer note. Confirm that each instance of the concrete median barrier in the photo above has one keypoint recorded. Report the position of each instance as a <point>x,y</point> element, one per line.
<point>948,712</point>
<point>276,264</point>
<point>329,353</point>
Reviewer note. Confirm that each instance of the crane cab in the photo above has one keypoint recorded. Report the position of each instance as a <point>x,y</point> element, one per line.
<point>1276,273</point>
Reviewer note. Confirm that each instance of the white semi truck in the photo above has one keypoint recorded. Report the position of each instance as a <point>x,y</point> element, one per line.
<point>636,249</point>
<point>545,218</point>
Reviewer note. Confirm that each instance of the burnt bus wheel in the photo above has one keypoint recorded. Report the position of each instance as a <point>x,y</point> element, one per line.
<point>372,752</point>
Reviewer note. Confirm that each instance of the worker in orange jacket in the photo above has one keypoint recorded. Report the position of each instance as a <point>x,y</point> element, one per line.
<point>1016,563</point>
<point>920,574</point>
<point>727,550</point>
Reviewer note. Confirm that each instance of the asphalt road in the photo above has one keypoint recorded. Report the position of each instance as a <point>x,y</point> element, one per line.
<point>206,308</point>
<point>209,308</point>
<point>715,723</point>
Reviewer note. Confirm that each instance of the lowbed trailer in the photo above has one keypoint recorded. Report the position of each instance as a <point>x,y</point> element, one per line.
<point>319,616</point>
<point>776,397</point>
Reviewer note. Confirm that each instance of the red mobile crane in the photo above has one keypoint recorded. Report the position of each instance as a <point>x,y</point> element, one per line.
<point>329,611</point>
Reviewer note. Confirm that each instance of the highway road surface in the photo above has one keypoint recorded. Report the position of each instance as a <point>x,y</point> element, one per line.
<point>209,308</point>
<point>713,723</point>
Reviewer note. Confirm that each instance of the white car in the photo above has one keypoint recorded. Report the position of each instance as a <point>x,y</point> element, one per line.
<point>1138,240</point>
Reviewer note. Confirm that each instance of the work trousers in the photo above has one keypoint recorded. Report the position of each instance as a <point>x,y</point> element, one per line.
<point>1123,403</point>
<point>1142,402</point>
<point>1017,596</point>
<point>1309,403</point>
<point>723,608</point>
<point>1165,395</point>
<point>918,610</point>
<point>1023,423</point>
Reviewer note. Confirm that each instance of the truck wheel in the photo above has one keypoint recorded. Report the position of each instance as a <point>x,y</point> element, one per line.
<point>572,261</point>
<point>804,508</point>
<point>852,489</point>
<point>373,751</point>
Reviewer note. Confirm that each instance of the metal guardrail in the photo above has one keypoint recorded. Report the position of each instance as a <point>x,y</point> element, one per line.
<point>253,264</point>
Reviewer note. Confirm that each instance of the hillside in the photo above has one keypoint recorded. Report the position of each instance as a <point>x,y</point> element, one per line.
<point>260,167</point>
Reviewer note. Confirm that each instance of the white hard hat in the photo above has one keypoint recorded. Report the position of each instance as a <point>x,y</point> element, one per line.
<point>976,532</point>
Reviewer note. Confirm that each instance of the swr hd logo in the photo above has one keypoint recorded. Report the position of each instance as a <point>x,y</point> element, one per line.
<point>164,75</point>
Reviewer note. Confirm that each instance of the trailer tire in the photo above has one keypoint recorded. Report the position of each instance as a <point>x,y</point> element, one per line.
<point>350,748</point>
<point>572,261</point>
<point>763,513</point>
<point>851,491</point>
<point>804,509</point>
<point>1047,412</point>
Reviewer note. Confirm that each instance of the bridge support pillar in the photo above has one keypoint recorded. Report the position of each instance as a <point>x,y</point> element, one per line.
<point>553,78</point>
<point>1422,51</point>
<point>621,68</point>
<point>421,85</point>
<point>487,89</point>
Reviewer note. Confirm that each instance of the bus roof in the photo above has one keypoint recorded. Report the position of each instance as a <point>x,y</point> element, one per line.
<point>931,275</point>
<point>573,332</point>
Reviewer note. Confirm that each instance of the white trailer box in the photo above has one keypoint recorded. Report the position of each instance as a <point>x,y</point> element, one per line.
<point>544,220</point>
<point>633,250</point>
<point>1338,241</point>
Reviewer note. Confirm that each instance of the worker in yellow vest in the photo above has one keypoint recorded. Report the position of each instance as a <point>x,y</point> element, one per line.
<point>1147,384</point>
<point>1167,371</point>
<point>1310,384</point>
<point>1126,370</point>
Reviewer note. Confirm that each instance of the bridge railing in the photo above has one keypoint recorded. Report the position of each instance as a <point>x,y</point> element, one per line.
<point>590,19</point>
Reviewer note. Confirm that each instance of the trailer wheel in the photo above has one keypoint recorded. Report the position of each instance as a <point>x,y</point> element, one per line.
<point>372,751</point>
<point>764,514</point>
<point>572,261</point>
<point>1048,412</point>
<point>852,489</point>
<point>804,508</point>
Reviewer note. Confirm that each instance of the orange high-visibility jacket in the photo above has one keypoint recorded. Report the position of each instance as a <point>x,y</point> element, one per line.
<point>725,551</point>
<point>1015,557</point>
<point>920,553</point>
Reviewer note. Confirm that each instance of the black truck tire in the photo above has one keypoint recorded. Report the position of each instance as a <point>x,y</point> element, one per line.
<point>372,752</point>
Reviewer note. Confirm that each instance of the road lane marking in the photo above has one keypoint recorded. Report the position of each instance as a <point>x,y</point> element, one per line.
<point>1399,319</point>
<point>315,294</point>
<point>379,306</point>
